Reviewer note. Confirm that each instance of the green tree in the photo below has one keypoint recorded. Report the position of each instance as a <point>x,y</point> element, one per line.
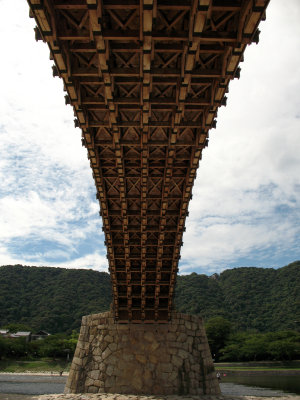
<point>3,347</point>
<point>16,327</point>
<point>218,330</point>
<point>251,346</point>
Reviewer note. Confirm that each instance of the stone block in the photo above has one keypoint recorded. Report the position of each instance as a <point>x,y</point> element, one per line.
<point>108,339</point>
<point>172,328</point>
<point>154,346</point>
<point>188,325</point>
<point>183,354</point>
<point>177,361</point>
<point>92,389</point>
<point>94,374</point>
<point>112,347</point>
<point>127,356</point>
<point>77,360</point>
<point>149,336</point>
<point>173,376</point>
<point>124,338</point>
<point>107,352</point>
<point>164,367</point>
<point>110,381</point>
<point>171,337</point>
<point>141,358</point>
<point>89,382</point>
<point>182,337</point>
<point>153,358</point>
<point>110,370</point>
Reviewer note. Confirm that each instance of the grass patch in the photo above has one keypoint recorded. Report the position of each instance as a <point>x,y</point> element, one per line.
<point>40,365</point>
<point>258,368</point>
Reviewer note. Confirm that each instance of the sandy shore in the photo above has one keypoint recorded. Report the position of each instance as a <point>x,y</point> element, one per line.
<point>281,372</point>
<point>47,373</point>
<point>134,397</point>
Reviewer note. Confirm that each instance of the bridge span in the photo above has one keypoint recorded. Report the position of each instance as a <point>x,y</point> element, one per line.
<point>145,79</point>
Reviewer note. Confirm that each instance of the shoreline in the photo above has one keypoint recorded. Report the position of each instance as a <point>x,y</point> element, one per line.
<point>42,373</point>
<point>221,370</point>
<point>110,396</point>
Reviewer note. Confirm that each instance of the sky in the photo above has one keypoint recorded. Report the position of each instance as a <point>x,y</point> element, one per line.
<point>246,199</point>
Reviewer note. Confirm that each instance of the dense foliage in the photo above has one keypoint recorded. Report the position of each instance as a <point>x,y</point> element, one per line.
<point>218,331</point>
<point>251,298</point>
<point>54,299</point>
<point>229,345</point>
<point>53,346</point>
<point>249,346</point>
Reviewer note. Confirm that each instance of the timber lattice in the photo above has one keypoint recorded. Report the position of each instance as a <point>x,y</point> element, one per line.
<point>145,79</point>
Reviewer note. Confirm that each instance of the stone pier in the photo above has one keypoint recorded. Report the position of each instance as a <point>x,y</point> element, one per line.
<point>153,359</point>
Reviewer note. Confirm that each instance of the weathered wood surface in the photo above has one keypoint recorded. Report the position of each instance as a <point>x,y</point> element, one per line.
<point>145,79</point>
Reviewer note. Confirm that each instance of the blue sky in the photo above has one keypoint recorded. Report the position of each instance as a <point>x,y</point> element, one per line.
<point>246,201</point>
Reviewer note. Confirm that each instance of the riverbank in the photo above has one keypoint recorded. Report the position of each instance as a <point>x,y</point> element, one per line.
<point>260,368</point>
<point>124,397</point>
<point>246,372</point>
<point>29,373</point>
<point>42,365</point>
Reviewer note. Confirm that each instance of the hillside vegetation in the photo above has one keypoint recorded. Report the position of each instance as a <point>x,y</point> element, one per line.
<point>52,299</point>
<point>55,299</point>
<point>264,299</point>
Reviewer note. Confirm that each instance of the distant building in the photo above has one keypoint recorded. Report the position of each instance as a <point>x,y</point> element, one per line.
<point>24,334</point>
<point>21,334</point>
<point>40,335</point>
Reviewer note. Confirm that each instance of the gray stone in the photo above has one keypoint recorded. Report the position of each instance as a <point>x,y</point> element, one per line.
<point>92,389</point>
<point>110,381</point>
<point>182,353</point>
<point>110,369</point>
<point>141,358</point>
<point>108,338</point>
<point>113,347</point>
<point>94,374</point>
<point>127,357</point>
<point>177,361</point>
<point>149,336</point>
<point>106,353</point>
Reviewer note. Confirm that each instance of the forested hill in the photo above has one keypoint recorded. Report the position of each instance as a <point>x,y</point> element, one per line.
<point>265,299</point>
<point>54,299</point>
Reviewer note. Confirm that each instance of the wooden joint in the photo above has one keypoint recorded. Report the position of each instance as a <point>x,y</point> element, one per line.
<point>37,34</point>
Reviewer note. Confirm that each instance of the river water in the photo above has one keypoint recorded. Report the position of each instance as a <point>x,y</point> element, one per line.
<point>280,383</point>
<point>21,387</point>
<point>31,384</point>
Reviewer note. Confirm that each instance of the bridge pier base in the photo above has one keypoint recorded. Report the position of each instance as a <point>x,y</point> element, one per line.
<point>166,359</point>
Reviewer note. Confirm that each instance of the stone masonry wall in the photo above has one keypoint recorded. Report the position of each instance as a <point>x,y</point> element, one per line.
<point>172,358</point>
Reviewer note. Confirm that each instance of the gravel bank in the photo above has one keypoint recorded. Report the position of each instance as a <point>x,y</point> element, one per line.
<point>133,397</point>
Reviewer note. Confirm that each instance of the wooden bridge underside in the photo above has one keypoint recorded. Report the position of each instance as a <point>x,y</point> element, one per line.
<point>145,79</point>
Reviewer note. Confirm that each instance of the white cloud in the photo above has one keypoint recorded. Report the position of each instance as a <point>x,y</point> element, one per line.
<point>94,261</point>
<point>250,172</point>
<point>47,191</point>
